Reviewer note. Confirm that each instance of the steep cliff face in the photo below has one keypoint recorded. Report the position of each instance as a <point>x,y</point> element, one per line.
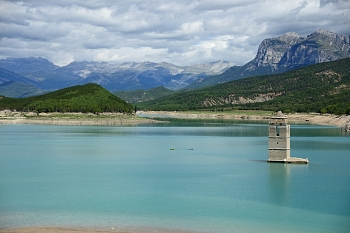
<point>268,57</point>
<point>320,46</point>
<point>292,50</point>
<point>272,50</point>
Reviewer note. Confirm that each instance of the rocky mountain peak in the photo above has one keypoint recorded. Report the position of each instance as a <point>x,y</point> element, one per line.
<point>319,46</point>
<point>271,50</point>
<point>324,36</point>
<point>293,50</point>
<point>290,37</point>
<point>323,32</point>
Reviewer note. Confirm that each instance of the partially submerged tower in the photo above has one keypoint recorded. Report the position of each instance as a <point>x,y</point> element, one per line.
<point>279,140</point>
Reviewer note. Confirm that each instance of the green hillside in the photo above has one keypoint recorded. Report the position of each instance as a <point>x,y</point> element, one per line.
<point>85,98</point>
<point>136,96</point>
<point>323,87</point>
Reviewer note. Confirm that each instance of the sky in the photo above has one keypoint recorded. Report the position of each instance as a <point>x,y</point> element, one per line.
<point>182,32</point>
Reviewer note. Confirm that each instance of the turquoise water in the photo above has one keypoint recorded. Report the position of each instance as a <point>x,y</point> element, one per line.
<point>216,179</point>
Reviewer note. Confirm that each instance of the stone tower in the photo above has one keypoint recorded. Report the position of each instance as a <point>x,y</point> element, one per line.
<point>279,140</point>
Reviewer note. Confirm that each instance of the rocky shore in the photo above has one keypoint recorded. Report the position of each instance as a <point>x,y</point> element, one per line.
<point>89,230</point>
<point>295,118</point>
<point>106,119</point>
<point>145,117</point>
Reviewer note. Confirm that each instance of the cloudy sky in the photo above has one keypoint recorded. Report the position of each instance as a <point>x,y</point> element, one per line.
<point>183,32</point>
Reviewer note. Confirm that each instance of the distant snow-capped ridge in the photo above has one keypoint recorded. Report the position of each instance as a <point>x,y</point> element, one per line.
<point>112,76</point>
<point>83,68</point>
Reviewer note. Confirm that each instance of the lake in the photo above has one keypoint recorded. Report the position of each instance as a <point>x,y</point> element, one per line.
<point>215,180</point>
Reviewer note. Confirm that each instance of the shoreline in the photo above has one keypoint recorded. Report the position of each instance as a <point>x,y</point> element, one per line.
<point>87,119</point>
<point>147,117</point>
<point>76,122</point>
<point>90,230</point>
<point>294,118</point>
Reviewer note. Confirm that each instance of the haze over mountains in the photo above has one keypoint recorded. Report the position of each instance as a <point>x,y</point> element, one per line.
<point>20,77</point>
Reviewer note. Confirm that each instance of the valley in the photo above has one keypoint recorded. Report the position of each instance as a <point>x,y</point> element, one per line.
<point>291,73</point>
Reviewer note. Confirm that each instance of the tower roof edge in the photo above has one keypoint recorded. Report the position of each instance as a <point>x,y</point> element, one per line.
<point>279,115</point>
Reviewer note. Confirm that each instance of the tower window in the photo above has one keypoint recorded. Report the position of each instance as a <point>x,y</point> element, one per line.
<point>277,130</point>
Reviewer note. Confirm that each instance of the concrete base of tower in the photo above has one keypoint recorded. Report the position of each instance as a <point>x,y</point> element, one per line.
<point>289,160</point>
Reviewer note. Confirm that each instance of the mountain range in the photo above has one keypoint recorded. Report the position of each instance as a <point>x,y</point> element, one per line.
<point>45,76</point>
<point>21,77</point>
<point>286,52</point>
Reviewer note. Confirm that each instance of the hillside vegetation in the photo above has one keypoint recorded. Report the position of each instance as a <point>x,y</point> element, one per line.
<point>323,88</point>
<point>137,96</point>
<point>86,98</point>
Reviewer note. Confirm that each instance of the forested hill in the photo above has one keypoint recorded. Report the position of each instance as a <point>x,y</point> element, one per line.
<point>323,87</point>
<point>138,96</point>
<point>85,98</point>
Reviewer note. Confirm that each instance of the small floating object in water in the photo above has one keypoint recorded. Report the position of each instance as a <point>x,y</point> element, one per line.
<point>190,149</point>
<point>172,148</point>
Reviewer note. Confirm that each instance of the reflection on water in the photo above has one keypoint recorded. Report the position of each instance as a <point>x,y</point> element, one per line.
<point>281,183</point>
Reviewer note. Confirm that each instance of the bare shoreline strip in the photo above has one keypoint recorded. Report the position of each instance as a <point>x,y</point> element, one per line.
<point>105,119</point>
<point>89,230</point>
<point>115,119</point>
<point>62,121</point>
<point>295,118</point>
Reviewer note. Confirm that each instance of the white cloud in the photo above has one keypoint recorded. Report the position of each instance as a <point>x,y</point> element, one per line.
<point>182,31</point>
